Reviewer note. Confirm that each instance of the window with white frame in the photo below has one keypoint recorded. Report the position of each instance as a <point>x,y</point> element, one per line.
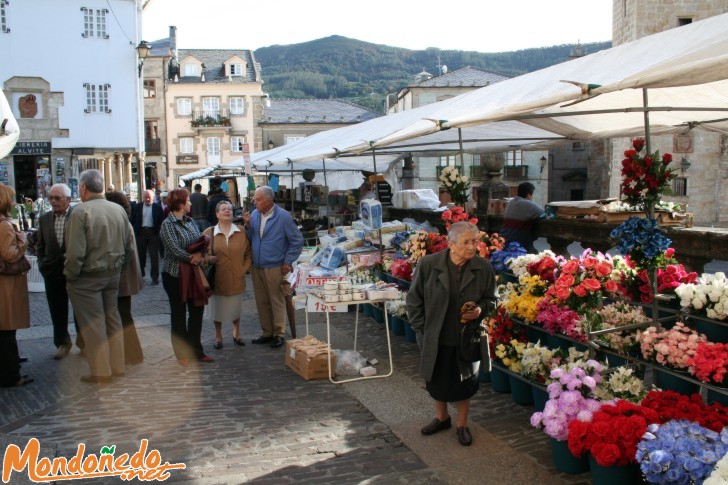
<point>237,106</point>
<point>236,143</point>
<point>4,17</point>
<point>211,107</point>
<point>97,98</point>
<point>514,158</point>
<point>236,69</point>
<point>94,23</point>
<point>293,138</point>
<point>190,69</point>
<point>184,106</point>
<point>186,145</point>
<point>213,150</point>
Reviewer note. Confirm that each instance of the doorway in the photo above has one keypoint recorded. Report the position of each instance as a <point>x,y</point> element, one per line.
<point>25,167</point>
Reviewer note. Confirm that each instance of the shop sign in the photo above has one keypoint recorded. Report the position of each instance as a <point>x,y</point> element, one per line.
<point>32,148</point>
<point>187,159</point>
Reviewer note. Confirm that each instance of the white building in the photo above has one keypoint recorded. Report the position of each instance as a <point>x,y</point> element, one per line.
<point>69,71</point>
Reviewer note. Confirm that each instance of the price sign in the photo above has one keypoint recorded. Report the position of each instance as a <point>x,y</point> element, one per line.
<point>314,305</point>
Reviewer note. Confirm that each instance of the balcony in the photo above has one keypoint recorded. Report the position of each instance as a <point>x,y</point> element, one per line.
<point>203,119</point>
<point>153,146</point>
<point>515,172</point>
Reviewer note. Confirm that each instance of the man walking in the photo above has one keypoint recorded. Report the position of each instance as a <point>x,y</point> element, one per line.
<point>98,244</point>
<point>146,218</point>
<point>277,243</point>
<point>50,249</point>
<point>198,211</point>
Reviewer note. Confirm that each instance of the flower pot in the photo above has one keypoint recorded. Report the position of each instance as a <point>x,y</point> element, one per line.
<point>389,278</point>
<point>499,381</point>
<point>534,335</point>
<point>483,373</point>
<point>520,391</point>
<point>409,332</point>
<point>610,475</point>
<point>717,397</point>
<point>396,325</point>
<point>671,382</point>
<point>564,461</point>
<point>556,342</point>
<point>377,314</point>
<point>366,309</point>
<point>540,396</point>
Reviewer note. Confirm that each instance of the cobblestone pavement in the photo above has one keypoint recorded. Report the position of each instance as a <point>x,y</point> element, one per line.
<point>248,418</point>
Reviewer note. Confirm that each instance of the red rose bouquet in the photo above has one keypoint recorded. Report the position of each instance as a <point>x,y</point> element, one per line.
<point>645,178</point>
<point>457,214</point>
<point>402,269</point>
<point>613,433</point>
<point>670,405</point>
<point>710,362</point>
<point>544,268</point>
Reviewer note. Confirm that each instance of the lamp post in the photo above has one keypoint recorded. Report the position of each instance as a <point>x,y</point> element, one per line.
<point>271,145</point>
<point>543,163</point>
<point>142,52</point>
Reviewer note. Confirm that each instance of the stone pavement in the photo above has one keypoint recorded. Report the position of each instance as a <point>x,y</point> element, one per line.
<point>248,418</point>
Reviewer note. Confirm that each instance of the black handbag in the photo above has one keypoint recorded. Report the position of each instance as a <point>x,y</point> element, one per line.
<point>212,268</point>
<point>472,341</point>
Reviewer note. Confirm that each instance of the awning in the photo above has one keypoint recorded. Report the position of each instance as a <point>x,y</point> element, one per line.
<point>9,129</point>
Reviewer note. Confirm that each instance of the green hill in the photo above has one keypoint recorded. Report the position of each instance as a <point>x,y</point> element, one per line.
<point>361,72</point>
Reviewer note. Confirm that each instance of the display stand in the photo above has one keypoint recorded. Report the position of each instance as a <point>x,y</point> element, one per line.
<point>321,306</point>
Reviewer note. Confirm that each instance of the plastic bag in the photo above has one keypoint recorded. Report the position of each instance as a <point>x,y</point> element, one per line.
<point>349,362</point>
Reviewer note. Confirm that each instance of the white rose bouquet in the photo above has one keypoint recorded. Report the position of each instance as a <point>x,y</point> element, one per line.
<point>455,184</point>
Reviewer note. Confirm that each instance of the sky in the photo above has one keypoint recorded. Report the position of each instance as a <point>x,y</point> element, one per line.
<point>468,25</point>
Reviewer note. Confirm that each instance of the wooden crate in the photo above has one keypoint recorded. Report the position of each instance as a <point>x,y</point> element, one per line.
<point>618,217</point>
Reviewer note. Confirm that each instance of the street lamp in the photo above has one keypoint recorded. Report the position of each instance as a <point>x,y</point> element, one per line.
<point>543,163</point>
<point>684,164</point>
<point>142,51</point>
<point>271,145</point>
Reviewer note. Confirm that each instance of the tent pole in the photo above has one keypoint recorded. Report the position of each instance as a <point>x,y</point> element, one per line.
<point>650,209</point>
<point>376,184</point>
<point>292,211</point>
<point>326,184</point>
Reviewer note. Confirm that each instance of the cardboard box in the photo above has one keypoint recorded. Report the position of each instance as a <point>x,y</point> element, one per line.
<point>308,367</point>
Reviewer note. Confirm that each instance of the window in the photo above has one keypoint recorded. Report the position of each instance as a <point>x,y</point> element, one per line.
<point>94,23</point>
<point>184,106</point>
<point>684,21</point>
<point>186,145</point>
<point>213,150</point>
<point>236,69</point>
<point>236,106</point>
<point>4,17</point>
<point>190,70</point>
<point>150,88</point>
<point>680,186</point>
<point>97,98</point>
<point>211,107</point>
<point>151,129</point>
<point>236,143</point>
<point>513,158</point>
<point>577,146</point>
<point>293,138</point>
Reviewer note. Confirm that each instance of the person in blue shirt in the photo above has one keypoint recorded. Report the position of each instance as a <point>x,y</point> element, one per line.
<point>277,243</point>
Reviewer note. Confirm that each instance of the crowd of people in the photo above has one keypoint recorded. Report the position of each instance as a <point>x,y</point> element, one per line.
<point>94,255</point>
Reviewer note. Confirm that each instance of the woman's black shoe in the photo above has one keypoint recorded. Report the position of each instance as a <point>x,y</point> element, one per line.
<point>436,425</point>
<point>464,436</point>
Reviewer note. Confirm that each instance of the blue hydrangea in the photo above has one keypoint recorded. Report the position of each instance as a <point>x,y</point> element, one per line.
<point>680,451</point>
<point>641,235</point>
<point>498,259</point>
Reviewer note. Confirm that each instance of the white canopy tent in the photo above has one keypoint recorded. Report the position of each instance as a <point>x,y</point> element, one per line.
<point>9,130</point>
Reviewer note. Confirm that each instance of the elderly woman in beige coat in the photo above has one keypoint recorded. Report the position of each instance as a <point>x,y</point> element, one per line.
<point>14,303</point>
<point>230,250</point>
<point>130,283</point>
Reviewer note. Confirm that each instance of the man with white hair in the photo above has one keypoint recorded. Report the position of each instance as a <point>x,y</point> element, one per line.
<point>50,250</point>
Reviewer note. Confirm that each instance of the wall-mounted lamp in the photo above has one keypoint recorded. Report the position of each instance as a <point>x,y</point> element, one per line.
<point>543,163</point>
<point>142,51</point>
<point>271,145</point>
<point>684,164</point>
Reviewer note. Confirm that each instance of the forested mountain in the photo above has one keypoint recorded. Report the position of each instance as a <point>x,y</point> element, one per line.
<point>343,68</point>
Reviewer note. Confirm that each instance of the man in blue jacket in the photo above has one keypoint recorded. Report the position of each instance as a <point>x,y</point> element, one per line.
<point>146,219</point>
<point>277,243</point>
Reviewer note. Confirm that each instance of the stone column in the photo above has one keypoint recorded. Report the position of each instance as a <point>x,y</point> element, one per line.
<point>102,169</point>
<point>108,175</point>
<point>127,171</point>
<point>118,183</point>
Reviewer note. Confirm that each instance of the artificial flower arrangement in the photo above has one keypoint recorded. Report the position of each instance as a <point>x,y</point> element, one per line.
<point>642,240</point>
<point>615,315</point>
<point>402,269</point>
<point>362,277</point>
<point>521,300</point>
<point>680,451</point>
<point>398,307</point>
<point>399,239</point>
<point>457,214</point>
<point>416,246</point>
<point>613,433</point>
<point>455,184</point>
<point>582,283</point>
<point>671,348</point>
<point>570,398</point>
<point>710,362</point>
<point>621,383</point>
<point>537,362</point>
<point>501,329</point>
<point>670,275</point>
<point>436,243</point>
<point>671,405</point>
<point>489,243</point>
<point>519,265</point>
<point>501,259</point>
<point>559,319</point>
<point>708,294</point>
<point>545,267</point>
<point>510,354</point>
<point>645,178</point>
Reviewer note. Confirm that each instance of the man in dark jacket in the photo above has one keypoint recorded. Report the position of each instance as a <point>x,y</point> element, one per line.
<point>50,249</point>
<point>217,196</point>
<point>146,218</point>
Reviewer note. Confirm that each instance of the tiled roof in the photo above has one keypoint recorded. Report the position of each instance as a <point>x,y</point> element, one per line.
<point>315,111</point>
<point>467,77</point>
<point>214,68</point>
<point>160,48</point>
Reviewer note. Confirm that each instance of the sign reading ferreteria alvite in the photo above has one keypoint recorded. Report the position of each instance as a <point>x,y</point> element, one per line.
<point>32,148</point>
